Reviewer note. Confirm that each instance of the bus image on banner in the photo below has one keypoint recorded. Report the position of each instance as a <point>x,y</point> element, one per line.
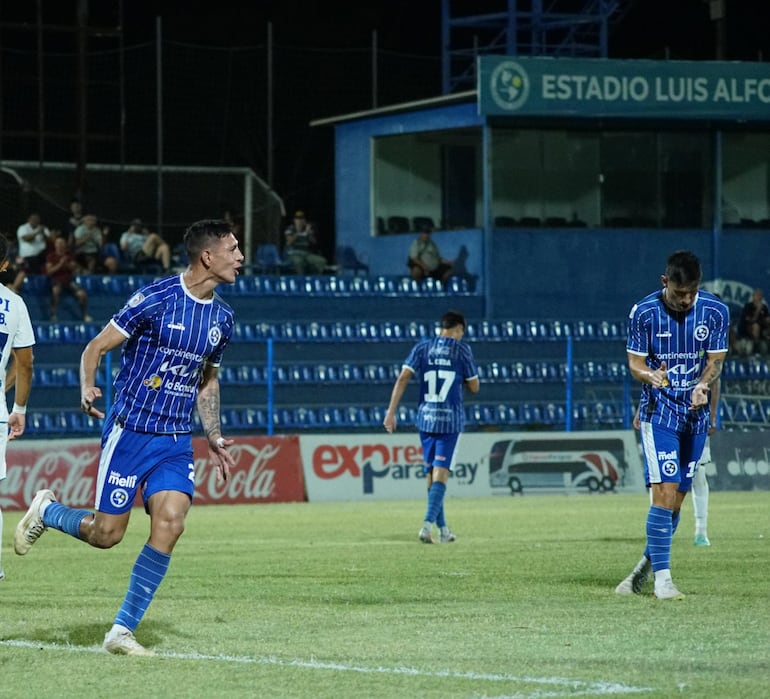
<point>596,465</point>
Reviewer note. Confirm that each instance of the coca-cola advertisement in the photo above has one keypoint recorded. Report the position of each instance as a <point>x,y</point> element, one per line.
<point>267,469</point>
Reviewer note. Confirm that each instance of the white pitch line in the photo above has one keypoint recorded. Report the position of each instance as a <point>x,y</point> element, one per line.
<point>570,688</point>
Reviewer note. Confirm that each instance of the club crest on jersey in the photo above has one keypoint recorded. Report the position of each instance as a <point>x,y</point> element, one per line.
<point>153,382</point>
<point>118,497</point>
<point>701,332</point>
<point>215,335</point>
<point>669,468</point>
<point>136,299</point>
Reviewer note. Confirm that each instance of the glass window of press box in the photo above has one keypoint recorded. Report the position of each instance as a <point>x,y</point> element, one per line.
<point>571,178</point>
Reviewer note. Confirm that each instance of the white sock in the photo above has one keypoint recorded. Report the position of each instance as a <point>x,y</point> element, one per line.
<point>1,538</point>
<point>662,576</point>
<point>700,499</point>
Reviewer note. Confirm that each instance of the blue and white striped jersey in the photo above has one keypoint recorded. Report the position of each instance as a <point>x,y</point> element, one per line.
<point>442,365</point>
<point>171,337</point>
<point>682,341</point>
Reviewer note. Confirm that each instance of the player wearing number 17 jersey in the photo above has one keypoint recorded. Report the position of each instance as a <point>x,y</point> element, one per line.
<point>677,342</point>
<point>444,365</point>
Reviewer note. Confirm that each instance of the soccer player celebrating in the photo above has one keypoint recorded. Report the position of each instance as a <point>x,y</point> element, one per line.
<point>677,342</point>
<point>173,332</point>
<point>445,364</point>
<point>17,338</point>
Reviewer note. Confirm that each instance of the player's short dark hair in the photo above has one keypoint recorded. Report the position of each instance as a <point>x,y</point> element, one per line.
<point>4,245</point>
<point>201,233</point>
<point>451,319</point>
<point>683,268</point>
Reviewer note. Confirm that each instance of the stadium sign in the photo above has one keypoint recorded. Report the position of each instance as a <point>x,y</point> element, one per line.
<point>575,87</point>
<point>389,467</point>
<point>267,469</point>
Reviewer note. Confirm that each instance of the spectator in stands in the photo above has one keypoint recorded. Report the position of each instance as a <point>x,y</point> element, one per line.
<point>301,246</point>
<point>19,340</point>
<point>686,326</point>
<point>754,324</point>
<point>33,239</point>
<point>445,365</point>
<point>60,266</point>
<point>87,242</point>
<point>425,260</point>
<point>143,248</point>
<point>74,220</point>
<point>148,449</point>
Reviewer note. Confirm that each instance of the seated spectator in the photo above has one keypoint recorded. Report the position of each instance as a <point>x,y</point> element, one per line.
<point>60,266</point>
<point>87,241</point>
<point>425,260</point>
<point>74,220</point>
<point>754,324</point>
<point>141,247</point>
<point>33,239</point>
<point>301,247</point>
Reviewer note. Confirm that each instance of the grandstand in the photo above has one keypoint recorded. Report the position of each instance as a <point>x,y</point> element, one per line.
<point>320,353</point>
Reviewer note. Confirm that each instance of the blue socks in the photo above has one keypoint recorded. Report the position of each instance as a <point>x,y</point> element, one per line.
<point>660,530</point>
<point>65,519</point>
<point>148,571</point>
<point>435,501</point>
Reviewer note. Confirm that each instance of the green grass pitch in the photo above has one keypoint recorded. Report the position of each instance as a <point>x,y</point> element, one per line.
<point>341,600</point>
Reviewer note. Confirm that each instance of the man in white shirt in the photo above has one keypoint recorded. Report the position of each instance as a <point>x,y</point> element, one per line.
<point>32,238</point>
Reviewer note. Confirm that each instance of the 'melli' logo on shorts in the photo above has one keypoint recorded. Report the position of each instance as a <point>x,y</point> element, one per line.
<point>123,481</point>
<point>666,455</point>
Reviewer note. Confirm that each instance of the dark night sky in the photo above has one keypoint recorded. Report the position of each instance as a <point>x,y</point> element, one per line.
<point>408,29</point>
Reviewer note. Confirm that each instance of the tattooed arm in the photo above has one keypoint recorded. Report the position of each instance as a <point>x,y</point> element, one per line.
<point>711,373</point>
<point>208,411</point>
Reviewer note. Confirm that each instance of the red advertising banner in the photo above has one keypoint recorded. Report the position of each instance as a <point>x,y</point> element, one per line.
<point>267,469</point>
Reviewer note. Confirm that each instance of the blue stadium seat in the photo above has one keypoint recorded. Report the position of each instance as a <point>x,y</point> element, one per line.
<point>385,286</point>
<point>510,330</point>
<point>376,415</point>
<point>305,417</point>
<point>322,373</point>
<point>418,331</point>
<point>300,373</point>
<point>458,285</point>
<point>330,417</point>
<point>368,331</point>
<point>253,418</point>
<point>497,371</point>
<point>432,286</point>
<point>360,286</point>
<point>392,331</point>
<point>317,331</point>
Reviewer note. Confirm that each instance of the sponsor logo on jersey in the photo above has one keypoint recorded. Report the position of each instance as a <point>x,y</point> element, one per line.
<point>153,382</point>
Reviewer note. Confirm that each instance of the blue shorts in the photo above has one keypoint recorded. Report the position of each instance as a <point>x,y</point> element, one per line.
<point>670,457</point>
<point>438,450</point>
<point>152,462</point>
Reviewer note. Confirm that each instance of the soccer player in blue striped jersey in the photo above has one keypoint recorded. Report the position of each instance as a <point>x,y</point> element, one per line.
<point>173,333</point>
<point>444,365</point>
<point>677,342</point>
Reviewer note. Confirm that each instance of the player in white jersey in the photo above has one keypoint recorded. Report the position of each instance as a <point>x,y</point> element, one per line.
<point>173,333</point>
<point>17,339</point>
<point>444,365</point>
<point>677,342</point>
<point>700,484</point>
